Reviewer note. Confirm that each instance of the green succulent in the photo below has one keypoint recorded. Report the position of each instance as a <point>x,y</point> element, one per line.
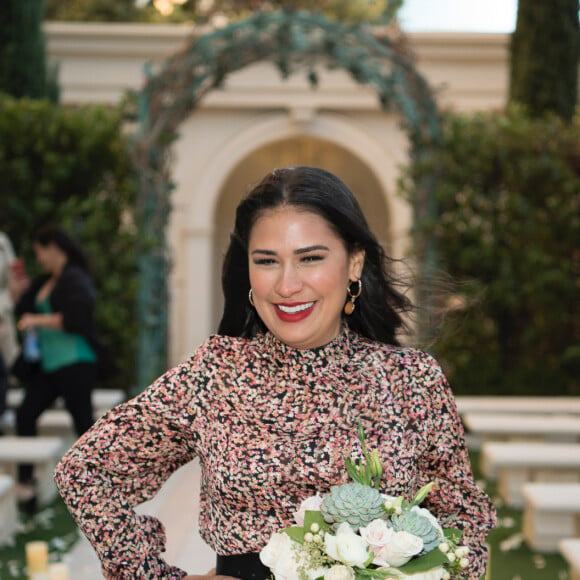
<point>354,503</point>
<point>414,522</point>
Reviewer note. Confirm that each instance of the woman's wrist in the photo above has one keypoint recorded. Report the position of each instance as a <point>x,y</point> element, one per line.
<point>30,320</point>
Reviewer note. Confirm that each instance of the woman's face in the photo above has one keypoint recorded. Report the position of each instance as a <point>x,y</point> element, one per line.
<point>299,273</point>
<point>48,257</point>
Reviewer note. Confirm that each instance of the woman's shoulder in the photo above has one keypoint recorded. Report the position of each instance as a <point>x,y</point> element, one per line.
<point>224,350</point>
<point>399,355</point>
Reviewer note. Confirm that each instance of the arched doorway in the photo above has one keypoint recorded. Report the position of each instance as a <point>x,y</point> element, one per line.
<point>305,150</point>
<point>293,40</point>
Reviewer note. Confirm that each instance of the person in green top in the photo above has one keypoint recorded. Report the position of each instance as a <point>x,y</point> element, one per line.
<point>59,309</point>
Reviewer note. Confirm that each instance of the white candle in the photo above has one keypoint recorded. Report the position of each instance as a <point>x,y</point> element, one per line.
<point>36,558</point>
<point>58,571</point>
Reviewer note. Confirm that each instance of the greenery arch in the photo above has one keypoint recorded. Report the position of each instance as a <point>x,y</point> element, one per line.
<point>293,40</point>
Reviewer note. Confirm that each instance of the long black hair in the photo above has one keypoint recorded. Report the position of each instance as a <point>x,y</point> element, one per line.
<point>55,234</point>
<point>379,308</point>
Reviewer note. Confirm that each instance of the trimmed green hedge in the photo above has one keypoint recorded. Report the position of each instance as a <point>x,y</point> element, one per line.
<point>508,230</point>
<point>72,166</point>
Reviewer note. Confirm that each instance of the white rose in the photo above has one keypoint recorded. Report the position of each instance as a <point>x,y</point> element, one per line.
<point>400,549</point>
<point>286,567</point>
<point>377,535</point>
<point>314,573</point>
<point>339,572</point>
<point>278,545</point>
<point>309,504</point>
<point>346,546</point>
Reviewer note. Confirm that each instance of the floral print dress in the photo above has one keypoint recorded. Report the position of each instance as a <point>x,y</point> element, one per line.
<point>271,426</point>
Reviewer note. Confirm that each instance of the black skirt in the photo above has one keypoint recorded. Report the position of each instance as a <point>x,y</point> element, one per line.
<point>243,566</point>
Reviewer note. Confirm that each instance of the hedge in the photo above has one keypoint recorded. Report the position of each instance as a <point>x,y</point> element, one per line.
<point>71,166</point>
<point>507,231</point>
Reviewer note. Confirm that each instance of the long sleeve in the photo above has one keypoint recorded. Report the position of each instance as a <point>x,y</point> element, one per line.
<point>456,498</point>
<point>121,462</point>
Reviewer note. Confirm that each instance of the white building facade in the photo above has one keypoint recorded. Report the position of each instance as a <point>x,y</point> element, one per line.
<point>259,121</point>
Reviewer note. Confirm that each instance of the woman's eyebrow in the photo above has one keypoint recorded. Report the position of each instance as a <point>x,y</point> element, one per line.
<point>311,249</point>
<point>267,252</point>
<point>297,252</point>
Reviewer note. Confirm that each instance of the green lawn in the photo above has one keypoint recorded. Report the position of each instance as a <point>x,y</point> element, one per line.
<point>510,557</point>
<point>52,524</point>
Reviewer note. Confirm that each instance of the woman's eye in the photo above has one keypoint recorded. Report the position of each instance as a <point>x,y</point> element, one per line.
<point>314,258</point>
<point>264,261</point>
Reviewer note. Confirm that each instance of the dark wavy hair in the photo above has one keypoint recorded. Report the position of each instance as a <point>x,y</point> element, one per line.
<point>55,234</point>
<point>378,313</point>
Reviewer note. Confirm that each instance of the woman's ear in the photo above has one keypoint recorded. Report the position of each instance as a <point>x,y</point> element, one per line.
<point>356,264</point>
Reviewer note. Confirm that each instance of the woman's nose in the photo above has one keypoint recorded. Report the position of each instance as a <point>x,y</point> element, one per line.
<point>289,282</point>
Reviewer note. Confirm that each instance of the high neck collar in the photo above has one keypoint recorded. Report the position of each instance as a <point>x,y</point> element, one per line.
<point>336,352</point>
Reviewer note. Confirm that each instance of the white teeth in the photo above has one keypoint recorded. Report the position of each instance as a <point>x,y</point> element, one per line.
<point>294,309</point>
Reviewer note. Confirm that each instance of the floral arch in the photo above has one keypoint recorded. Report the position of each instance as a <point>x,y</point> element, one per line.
<point>293,41</point>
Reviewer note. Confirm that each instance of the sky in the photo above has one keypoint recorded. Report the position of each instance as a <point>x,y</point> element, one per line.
<point>458,15</point>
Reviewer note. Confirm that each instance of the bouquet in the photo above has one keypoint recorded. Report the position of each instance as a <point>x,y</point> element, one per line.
<point>355,532</point>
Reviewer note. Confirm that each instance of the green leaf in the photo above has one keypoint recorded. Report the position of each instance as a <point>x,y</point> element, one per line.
<point>314,517</point>
<point>422,494</point>
<point>296,533</point>
<point>432,559</point>
<point>352,470</point>
<point>364,573</point>
<point>453,534</point>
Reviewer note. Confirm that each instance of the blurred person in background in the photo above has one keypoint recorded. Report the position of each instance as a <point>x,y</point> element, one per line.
<point>59,354</point>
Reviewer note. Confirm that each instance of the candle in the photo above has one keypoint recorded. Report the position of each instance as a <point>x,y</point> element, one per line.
<point>58,571</point>
<point>36,558</point>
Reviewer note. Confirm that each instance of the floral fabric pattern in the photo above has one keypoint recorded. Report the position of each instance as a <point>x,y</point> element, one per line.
<point>271,426</point>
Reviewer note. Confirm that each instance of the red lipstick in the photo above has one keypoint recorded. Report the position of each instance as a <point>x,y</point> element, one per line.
<point>294,311</point>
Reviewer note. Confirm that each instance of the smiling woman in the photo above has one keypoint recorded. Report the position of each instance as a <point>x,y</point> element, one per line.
<point>306,353</point>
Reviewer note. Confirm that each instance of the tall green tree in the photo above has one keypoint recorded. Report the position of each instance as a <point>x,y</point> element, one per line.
<point>544,57</point>
<point>23,68</point>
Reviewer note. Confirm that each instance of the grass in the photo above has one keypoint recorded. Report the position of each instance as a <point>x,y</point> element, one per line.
<point>52,524</point>
<point>511,559</point>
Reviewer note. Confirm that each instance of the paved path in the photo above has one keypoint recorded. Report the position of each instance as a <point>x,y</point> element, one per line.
<point>176,505</point>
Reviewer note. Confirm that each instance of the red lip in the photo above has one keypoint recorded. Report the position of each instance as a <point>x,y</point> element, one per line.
<point>296,316</point>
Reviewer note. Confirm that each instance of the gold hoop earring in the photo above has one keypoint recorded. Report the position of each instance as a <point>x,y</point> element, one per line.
<point>349,306</point>
<point>251,297</point>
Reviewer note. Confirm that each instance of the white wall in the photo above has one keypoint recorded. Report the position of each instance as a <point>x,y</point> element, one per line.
<point>258,121</point>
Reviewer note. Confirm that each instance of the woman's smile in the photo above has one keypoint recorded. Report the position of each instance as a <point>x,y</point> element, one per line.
<point>299,272</point>
<point>294,312</point>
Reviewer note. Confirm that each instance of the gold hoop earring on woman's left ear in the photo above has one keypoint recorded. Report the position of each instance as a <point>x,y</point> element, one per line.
<point>349,306</point>
<point>251,297</point>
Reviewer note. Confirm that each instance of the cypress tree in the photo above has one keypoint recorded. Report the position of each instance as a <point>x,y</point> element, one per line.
<point>544,57</point>
<point>23,70</point>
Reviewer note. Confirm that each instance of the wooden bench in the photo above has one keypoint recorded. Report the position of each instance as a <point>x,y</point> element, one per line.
<point>43,452</point>
<point>526,405</point>
<point>551,513</point>
<point>515,463</point>
<point>8,510</point>
<point>570,549</point>
<point>510,427</point>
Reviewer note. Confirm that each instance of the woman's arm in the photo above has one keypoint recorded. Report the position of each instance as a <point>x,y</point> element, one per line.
<point>455,497</point>
<point>74,299</point>
<point>123,461</point>
<point>30,320</point>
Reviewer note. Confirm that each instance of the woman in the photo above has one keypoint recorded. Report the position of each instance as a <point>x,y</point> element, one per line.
<point>59,308</point>
<point>306,347</point>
